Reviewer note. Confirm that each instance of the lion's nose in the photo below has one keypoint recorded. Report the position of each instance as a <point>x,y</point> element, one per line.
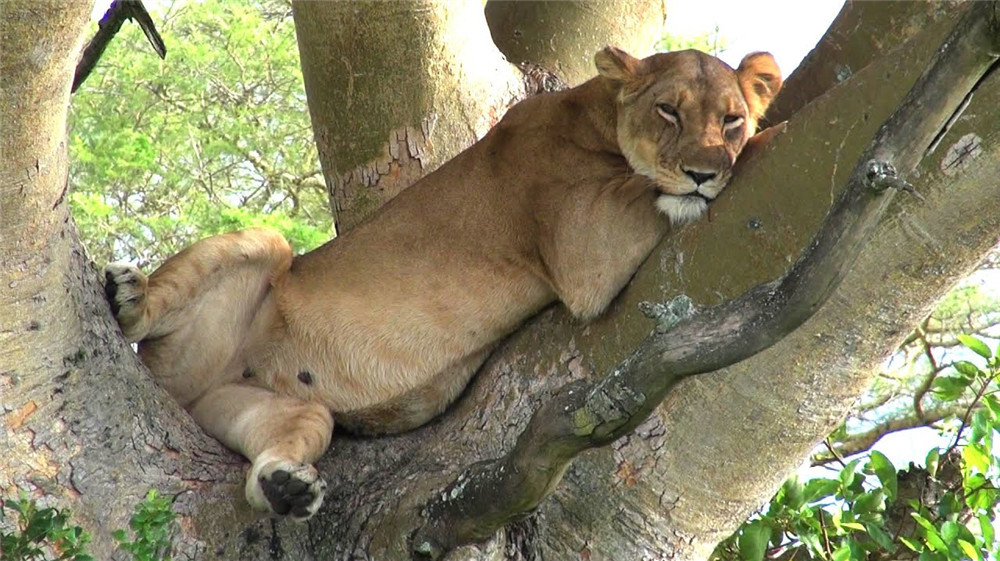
<point>698,176</point>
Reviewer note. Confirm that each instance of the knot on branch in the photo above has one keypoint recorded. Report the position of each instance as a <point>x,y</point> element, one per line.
<point>611,404</point>
<point>427,550</point>
<point>880,176</point>
<point>667,315</point>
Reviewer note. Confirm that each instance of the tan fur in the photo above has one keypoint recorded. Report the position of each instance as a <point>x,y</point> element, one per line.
<point>384,326</point>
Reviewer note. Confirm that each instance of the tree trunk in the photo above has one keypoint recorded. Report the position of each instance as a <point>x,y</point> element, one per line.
<point>563,36</point>
<point>86,427</point>
<point>82,425</point>
<point>395,89</point>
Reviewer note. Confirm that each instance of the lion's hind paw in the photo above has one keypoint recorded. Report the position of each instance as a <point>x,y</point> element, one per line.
<point>290,489</point>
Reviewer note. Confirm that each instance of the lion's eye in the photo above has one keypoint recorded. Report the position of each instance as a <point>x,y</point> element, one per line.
<point>668,112</point>
<point>730,122</point>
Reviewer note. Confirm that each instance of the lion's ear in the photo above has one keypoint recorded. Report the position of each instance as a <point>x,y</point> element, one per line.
<point>616,64</point>
<point>760,80</point>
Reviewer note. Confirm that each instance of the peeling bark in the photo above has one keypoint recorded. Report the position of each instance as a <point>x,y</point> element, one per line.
<point>394,90</point>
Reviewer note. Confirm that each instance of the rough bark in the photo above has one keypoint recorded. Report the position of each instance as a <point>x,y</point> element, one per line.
<point>717,449</point>
<point>81,424</point>
<point>579,417</point>
<point>394,90</point>
<point>563,36</point>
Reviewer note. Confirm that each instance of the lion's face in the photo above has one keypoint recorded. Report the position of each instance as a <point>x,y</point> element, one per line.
<point>684,117</point>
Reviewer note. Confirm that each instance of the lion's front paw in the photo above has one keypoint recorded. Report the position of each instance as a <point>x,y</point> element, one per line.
<point>286,488</point>
<point>125,288</point>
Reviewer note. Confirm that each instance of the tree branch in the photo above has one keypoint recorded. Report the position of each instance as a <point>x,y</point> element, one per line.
<point>489,494</point>
<point>861,441</point>
<point>108,27</point>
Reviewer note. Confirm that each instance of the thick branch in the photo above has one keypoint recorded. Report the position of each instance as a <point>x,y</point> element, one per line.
<point>489,494</point>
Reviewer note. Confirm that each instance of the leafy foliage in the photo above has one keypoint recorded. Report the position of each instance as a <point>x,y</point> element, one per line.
<point>44,534</point>
<point>919,385</point>
<point>40,533</point>
<point>712,42</point>
<point>214,138</point>
<point>872,511</point>
<point>153,530</point>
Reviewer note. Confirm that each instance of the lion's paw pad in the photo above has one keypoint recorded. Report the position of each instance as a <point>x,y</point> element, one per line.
<point>297,491</point>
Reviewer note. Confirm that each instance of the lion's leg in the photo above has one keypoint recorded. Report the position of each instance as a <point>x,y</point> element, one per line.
<point>591,256</point>
<point>281,436</point>
<point>198,315</point>
<point>155,306</point>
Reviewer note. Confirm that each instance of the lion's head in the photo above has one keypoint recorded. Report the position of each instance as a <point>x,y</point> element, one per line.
<point>684,116</point>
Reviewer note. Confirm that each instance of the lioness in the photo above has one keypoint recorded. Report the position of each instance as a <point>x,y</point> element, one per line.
<point>383,327</point>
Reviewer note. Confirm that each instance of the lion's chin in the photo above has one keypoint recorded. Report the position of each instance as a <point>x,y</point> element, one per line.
<point>682,209</point>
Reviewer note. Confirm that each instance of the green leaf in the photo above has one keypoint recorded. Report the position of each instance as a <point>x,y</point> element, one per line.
<point>793,492</point>
<point>928,555</point>
<point>885,471</point>
<point>976,458</point>
<point>842,553</point>
<point>981,425</point>
<point>871,501</point>
<point>753,540</point>
<point>913,545</point>
<point>847,474</point>
<point>993,404</point>
<point>820,488</point>
<point>975,345</point>
<point>970,550</point>
<point>931,461</point>
<point>986,529</point>
<point>967,369</point>
<point>881,537</point>
<point>931,535</point>
<point>950,388</point>
<point>948,505</point>
<point>949,531</point>
<point>853,526</point>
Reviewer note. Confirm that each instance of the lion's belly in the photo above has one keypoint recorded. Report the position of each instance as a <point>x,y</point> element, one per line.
<point>359,350</point>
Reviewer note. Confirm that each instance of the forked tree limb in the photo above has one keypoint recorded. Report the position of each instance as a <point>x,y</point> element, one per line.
<point>489,494</point>
<point>108,27</point>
